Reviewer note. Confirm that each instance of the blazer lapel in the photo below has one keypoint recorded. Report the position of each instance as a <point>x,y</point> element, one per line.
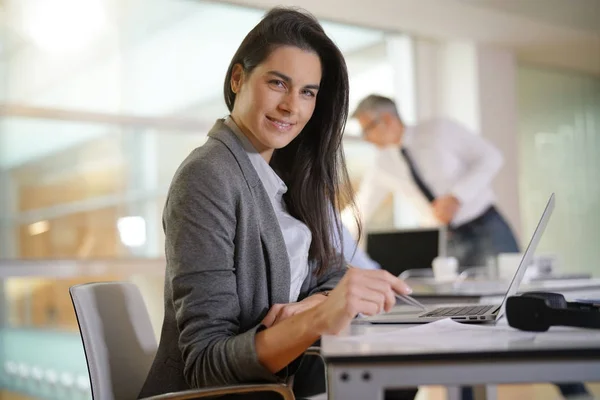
<point>270,233</point>
<point>274,247</point>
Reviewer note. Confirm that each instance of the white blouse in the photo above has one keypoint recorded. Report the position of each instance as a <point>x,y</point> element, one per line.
<point>296,234</point>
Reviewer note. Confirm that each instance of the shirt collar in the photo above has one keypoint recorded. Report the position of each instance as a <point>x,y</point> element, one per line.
<point>273,184</point>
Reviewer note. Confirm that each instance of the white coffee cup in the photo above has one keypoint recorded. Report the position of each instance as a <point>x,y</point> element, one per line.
<point>445,268</point>
<point>508,264</point>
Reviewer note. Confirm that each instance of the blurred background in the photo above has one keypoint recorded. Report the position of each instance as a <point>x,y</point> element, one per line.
<point>100,100</point>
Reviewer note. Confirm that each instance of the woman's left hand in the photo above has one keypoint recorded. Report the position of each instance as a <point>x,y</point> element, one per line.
<point>279,312</point>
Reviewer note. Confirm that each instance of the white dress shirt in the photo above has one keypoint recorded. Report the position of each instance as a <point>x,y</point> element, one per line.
<point>352,253</point>
<point>296,234</point>
<point>449,160</point>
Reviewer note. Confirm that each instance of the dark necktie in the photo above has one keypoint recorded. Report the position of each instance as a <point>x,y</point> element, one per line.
<point>415,175</point>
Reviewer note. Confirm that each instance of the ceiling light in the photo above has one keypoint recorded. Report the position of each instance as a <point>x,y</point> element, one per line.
<point>63,25</point>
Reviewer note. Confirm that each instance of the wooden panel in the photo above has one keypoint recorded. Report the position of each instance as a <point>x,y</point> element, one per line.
<point>44,303</point>
<point>91,234</point>
<point>77,187</point>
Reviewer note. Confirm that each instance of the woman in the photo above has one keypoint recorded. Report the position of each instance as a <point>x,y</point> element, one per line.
<point>252,276</point>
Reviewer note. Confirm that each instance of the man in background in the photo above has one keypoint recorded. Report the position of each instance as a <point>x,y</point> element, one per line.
<point>444,170</point>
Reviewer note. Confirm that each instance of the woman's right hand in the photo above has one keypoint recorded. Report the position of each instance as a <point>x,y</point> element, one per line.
<point>368,292</point>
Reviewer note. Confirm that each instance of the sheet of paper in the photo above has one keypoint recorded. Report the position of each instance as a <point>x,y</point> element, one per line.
<point>444,334</point>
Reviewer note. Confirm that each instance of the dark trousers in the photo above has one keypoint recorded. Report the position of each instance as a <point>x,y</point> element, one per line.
<point>485,236</point>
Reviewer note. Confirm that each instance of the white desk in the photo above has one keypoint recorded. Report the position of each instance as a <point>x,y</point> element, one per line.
<point>362,370</point>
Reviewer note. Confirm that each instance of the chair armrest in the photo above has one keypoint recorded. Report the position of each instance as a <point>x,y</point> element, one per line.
<point>283,390</point>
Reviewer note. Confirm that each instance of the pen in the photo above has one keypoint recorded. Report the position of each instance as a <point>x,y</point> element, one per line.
<point>405,298</point>
<point>410,301</point>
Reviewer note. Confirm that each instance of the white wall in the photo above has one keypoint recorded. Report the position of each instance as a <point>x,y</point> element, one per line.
<point>498,104</point>
<point>400,53</point>
<point>459,97</point>
<point>475,85</point>
<point>447,81</point>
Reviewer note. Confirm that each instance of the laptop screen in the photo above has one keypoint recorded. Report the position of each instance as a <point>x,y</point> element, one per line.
<point>529,252</point>
<point>397,251</point>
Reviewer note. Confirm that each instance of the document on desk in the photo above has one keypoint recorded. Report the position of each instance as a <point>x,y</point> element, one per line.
<point>444,334</point>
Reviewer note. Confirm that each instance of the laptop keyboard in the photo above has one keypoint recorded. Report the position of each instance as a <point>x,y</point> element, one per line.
<point>454,311</point>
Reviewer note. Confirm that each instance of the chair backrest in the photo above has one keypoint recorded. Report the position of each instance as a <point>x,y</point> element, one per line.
<point>117,337</point>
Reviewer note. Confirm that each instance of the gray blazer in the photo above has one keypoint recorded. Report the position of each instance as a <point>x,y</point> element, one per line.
<point>227,265</point>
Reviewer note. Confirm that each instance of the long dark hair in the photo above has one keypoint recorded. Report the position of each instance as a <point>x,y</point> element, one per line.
<point>312,165</point>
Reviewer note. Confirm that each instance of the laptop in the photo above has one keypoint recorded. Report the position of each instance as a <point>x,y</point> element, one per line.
<point>474,313</point>
<point>419,247</point>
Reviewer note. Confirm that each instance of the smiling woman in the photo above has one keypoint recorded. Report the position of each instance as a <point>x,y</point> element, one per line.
<point>276,100</point>
<point>250,223</point>
<point>286,78</point>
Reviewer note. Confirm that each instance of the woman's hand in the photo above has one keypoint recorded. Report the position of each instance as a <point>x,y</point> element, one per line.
<point>279,312</point>
<point>360,291</point>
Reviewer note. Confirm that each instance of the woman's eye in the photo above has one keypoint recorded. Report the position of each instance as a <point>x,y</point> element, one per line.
<point>309,93</point>
<point>277,83</point>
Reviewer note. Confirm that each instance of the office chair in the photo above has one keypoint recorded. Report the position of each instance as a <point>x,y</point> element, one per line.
<point>119,345</point>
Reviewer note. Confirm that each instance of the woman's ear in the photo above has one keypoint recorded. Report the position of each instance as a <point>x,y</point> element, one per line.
<point>237,78</point>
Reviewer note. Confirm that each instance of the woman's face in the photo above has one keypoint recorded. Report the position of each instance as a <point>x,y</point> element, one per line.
<point>276,100</point>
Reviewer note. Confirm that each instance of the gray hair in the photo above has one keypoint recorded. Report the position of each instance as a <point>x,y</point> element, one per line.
<point>378,104</point>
